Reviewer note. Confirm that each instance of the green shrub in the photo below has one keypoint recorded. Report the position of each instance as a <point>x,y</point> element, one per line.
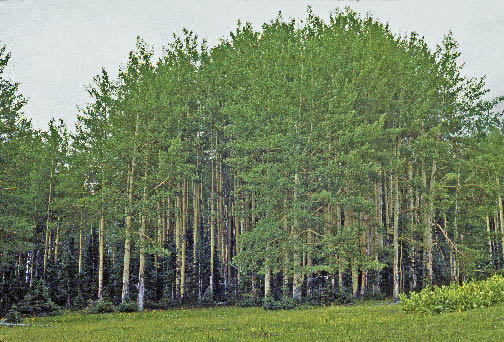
<point>13,315</point>
<point>470,295</point>
<point>37,302</point>
<point>329,295</point>
<point>208,298</point>
<point>100,306</point>
<point>162,304</point>
<point>269,303</point>
<point>287,303</point>
<point>128,306</point>
<point>371,294</point>
<point>250,301</point>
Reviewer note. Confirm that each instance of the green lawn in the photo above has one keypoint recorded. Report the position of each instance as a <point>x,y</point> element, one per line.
<point>368,322</point>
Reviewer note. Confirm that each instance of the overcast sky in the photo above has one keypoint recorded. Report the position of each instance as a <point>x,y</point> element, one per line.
<point>58,46</point>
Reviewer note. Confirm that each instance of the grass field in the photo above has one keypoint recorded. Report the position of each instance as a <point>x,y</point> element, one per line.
<point>364,322</point>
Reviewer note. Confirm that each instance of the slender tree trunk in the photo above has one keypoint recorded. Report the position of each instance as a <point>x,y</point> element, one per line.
<point>252,226</point>
<point>48,221</point>
<point>80,242</point>
<point>31,267</point>
<point>395,293</point>
<point>80,251</point>
<point>428,213</point>
<point>267,276</point>
<point>184,239</point>
<point>159,235</point>
<point>342,261</point>
<point>220,221</point>
<point>411,216</point>
<point>286,259</point>
<point>309,262</point>
<point>56,241</point>
<point>129,218</point>
<point>453,266</point>
<point>456,228</point>
<point>178,249</point>
<point>496,242</point>
<point>127,239</point>
<point>490,249</point>
<point>297,281</point>
<point>212,227</point>
<point>196,222</point>
<point>141,266</point>
<point>501,214</point>
<point>101,238</point>
<point>355,277</point>
<point>386,196</point>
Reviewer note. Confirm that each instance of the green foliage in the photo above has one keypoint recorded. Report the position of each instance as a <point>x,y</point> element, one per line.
<point>128,306</point>
<point>337,296</point>
<point>13,315</point>
<point>247,301</point>
<point>373,294</point>
<point>37,302</point>
<point>270,303</point>
<point>294,133</point>
<point>208,298</point>
<point>161,304</point>
<point>100,306</point>
<point>455,298</point>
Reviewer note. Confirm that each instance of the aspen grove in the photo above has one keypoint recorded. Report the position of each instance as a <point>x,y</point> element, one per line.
<point>281,162</point>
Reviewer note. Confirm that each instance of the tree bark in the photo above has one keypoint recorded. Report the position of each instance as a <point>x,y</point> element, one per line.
<point>212,226</point>
<point>411,217</point>
<point>178,249</point>
<point>501,214</point>
<point>48,221</point>
<point>395,293</point>
<point>184,239</point>
<point>101,238</point>
<point>142,234</point>
<point>297,281</point>
<point>56,241</point>
<point>129,218</point>
<point>428,213</point>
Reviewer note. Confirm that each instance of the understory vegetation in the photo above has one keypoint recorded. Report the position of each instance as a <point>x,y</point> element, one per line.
<point>455,297</point>
<point>304,162</point>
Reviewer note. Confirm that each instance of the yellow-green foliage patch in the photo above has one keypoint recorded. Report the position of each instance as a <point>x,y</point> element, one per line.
<point>470,295</point>
<point>370,322</point>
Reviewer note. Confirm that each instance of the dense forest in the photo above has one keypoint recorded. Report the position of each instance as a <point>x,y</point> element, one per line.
<point>285,161</point>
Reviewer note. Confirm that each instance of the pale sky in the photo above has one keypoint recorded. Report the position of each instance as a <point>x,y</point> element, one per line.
<point>58,46</point>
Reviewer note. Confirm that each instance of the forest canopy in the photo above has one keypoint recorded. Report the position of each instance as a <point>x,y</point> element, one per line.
<point>281,162</point>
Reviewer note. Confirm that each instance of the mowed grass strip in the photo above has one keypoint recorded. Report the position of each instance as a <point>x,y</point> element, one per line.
<point>365,322</point>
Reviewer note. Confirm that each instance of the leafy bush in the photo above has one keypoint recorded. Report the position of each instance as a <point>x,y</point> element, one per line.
<point>37,302</point>
<point>329,295</point>
<point>128,306</point>
<point>287,303</point>
<point>208,297</point>
<point>100,306</point>
<point>162,304</point>
<point>470,295</point>
<point>373,295</point>
<point>79,302</point>
<point>269,303</point>
<point>13,315</point>
<point>250,301</point>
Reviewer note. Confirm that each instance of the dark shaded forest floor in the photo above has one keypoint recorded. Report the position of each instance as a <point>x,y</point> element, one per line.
<point>362,322</point>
